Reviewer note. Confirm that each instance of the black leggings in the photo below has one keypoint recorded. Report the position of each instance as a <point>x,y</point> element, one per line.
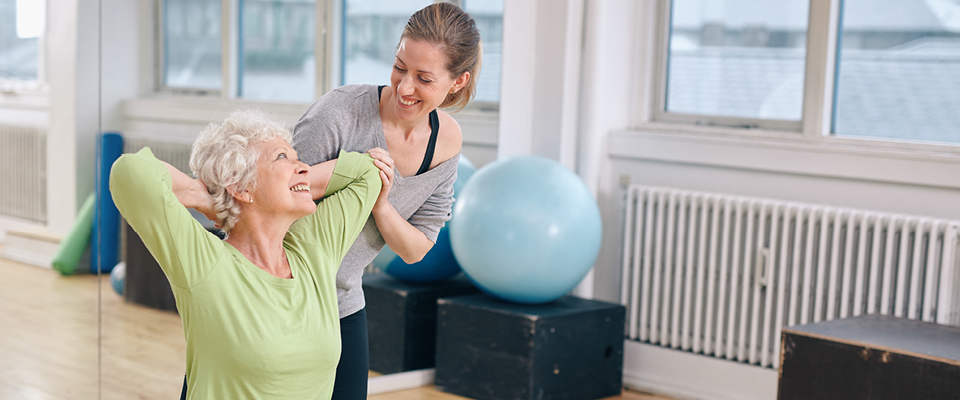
<point>351,380</point>
<point>353,369</point>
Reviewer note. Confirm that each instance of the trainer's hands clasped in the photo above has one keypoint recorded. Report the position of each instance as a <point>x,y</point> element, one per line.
<point>382,159</point>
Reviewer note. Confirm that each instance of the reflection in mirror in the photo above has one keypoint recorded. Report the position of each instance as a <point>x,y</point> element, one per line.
<point>49,346</point>
<point>49,321</point>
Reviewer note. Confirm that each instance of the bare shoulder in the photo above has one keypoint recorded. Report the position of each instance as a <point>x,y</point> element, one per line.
<point>449,139</point>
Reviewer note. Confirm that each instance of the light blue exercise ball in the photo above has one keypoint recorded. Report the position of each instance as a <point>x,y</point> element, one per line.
<point>465,170</point>
<point>117,276</point>
<point>438,264</point>
<point>527,229</point>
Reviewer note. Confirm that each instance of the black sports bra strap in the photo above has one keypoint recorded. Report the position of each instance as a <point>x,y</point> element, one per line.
<point>432,145</point>
<point>434,131</point>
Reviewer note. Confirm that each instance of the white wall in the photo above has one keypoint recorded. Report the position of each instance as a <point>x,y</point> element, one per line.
<point>79,104</point>
<point>72,112</point>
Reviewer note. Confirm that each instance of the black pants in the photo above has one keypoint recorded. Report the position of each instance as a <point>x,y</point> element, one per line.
<point>353,369</point>
<point>351,381</point>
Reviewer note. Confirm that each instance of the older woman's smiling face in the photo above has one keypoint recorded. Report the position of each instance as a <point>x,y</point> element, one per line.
<point>283,187</point>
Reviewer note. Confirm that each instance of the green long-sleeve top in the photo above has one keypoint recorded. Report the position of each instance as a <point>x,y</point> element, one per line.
<point>249,334</point>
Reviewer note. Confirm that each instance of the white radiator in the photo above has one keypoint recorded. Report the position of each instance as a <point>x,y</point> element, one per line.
<point>175,153</point>
<point>23,176</point>
<point>720,275</point>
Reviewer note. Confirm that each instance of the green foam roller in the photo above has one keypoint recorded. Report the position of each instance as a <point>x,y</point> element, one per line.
<point>72,247</point>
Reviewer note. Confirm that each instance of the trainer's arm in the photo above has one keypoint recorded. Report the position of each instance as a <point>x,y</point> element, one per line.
<point>402,237</point>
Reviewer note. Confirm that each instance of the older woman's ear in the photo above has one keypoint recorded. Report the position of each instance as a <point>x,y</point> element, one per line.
<point>241,197</point>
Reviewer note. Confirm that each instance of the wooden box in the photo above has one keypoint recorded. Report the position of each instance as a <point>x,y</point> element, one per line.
<point>872,357</point>
<point>402,320</point>
<point>145,283</point>
<point>571,348</point>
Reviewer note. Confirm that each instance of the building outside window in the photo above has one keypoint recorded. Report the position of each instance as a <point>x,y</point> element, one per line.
<point>895,70</point>
<point>898,71</point>
<point>191,44</point>
<point>21,27</point>
<point>737,58</point>
<point>274,51</point>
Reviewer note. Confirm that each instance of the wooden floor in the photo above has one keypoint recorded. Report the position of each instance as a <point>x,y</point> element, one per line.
<point>50,336</point>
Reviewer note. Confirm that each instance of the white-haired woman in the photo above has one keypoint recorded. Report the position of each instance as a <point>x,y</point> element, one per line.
<point>259,308</point>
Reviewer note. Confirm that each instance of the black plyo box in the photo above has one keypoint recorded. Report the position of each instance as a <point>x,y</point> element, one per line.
<point>145,283</point>
<point>872,357</point>
<point>571,348</point>
<point>402,320</point>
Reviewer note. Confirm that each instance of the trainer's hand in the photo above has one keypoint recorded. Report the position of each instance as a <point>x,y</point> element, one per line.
<point>382,159</point>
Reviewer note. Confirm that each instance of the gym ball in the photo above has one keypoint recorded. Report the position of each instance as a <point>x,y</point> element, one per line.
<point>527,229</point>
<point>117,276</point>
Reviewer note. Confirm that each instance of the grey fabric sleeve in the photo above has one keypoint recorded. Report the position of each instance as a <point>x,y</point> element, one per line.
<point>318,135</point>
<point>435,211</point>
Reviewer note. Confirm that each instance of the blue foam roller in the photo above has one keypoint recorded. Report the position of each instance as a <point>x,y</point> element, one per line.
<point>106,219</point>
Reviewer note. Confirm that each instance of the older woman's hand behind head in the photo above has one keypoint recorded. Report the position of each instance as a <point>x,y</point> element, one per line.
<point>207,207</point>
<point>193,193</point>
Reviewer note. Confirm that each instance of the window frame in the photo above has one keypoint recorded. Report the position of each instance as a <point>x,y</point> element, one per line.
<point>326,48</point>
<point>659,112</point>
<point>229,52</point>
<point>815,124</point>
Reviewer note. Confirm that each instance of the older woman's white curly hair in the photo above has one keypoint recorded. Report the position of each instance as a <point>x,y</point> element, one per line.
<point>225,156</point>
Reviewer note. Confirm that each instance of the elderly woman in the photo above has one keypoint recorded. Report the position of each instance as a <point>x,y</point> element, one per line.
<point>259,308</point>
<point>436,66</point>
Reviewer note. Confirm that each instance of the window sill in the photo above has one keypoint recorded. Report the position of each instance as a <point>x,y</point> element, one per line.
<point>791,153</point>
<point>24,106</point>
<point>31,97</point>
<point>202,110</point>
<point>479,127</point>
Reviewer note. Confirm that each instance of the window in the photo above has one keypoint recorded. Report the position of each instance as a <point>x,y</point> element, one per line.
<point>277,47</point>
<point>21,27</point>
<point>489,17</point>
<point>735,62</point>
<point>372,32</point>
<point>191,44</point>
<point>274,48</point>
<point>882,70</point>
<point>898,70</point>
<point>273,57</point>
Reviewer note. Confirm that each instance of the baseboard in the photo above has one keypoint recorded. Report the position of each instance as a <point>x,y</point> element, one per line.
<point>8,223</point>
<point>34,247</point>
<point>685,375</point>
<point>400,381</point>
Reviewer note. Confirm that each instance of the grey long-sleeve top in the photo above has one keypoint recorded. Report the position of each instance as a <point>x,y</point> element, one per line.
<point>348,118</point>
